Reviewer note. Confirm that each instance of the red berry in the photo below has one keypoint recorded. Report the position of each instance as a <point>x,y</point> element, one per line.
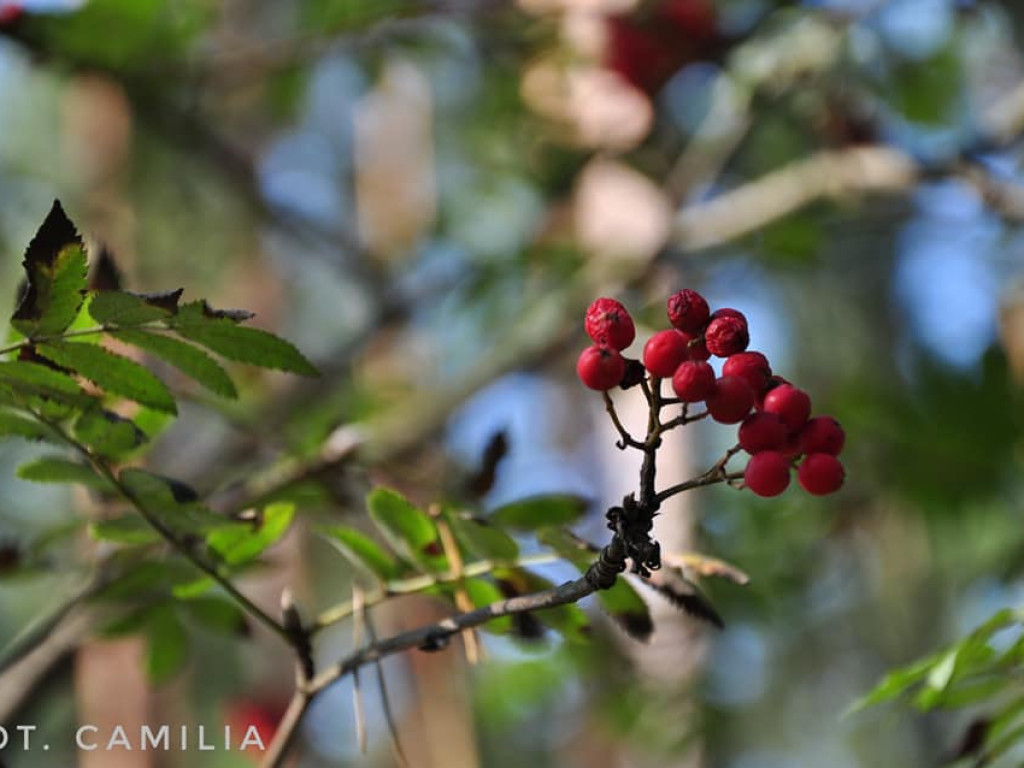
<point>726,336</point>
<point>608,322</point>
<point>762,432</point>
<point>767,473</point>
<point>822,434</point>
<point>664,351</point>
<point>695,19</point>
<point>773,382</point>
<point>731,401</point>
<point>821,473</point>
<point>752,367</point>
<point>600,367</point>
<point>10,13</point>
<point>728,312</point>
<point>790,404</point>
<point>693,381</point>
<point>688,311</point>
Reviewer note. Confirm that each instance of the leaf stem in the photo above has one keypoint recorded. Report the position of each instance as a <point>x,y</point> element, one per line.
<point>95,331</point>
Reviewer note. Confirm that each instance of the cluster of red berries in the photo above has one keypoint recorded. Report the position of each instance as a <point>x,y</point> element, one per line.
<point>776,427</point>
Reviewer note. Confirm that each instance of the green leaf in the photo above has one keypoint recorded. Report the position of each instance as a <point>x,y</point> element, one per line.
<point>55,266</point>
<point>167,645</point>
<point>239,543</point>
<point>124,309</point>
<point>190,360</point>
<point>896,683</point>
<point>36,380</point>
<point>217,614</point>
<point>540,512</point>
<point>483,593</point>
<point>409,530</point>
<point>126,529</point>
<point>621,602</point>
<point>173,502</point>
<point>482,538</point>
<point>108,434</point>
<point>360,550</point>
<point>129,624</point>
<point>117,375</point>
<point>54,469</point>
<point>148,580</point>
<point>13,425</point>
<point>198,323</point>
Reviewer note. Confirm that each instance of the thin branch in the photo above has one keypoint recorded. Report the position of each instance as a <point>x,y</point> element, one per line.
<point>357,691</point>
<point>288,728</point>
<point>716,474</point>
<point>154,521</point>
<point>342,611</point>
<point>779,193</point>
<point>385,698</point>
<point>685,418</point>
<point>625,439</point>
<point>435,635</point>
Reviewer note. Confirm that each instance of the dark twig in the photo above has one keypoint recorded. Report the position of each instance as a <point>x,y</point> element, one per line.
<point>625,439</point>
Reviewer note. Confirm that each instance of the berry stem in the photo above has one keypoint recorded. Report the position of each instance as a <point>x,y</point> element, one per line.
<point>716,474</point>
<point>626,439</point>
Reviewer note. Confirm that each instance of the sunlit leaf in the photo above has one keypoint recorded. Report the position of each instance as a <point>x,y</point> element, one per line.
<point>408,529</point>
<point>360,550</point>
<point>241,542</point>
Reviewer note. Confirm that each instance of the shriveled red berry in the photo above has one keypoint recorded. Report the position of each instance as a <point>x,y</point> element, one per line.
<point>600,367</point>
<point>822,434</point>
<point>698,350</point>
<point>693,381</point>
<point>821,474</point>
<point>762,432</point>
<point>752,367</point>
<point>608,322</point>
<point>688,311</point>
<point>728,312</point>
<point>790,403</point>
<point>726,336</point>
<point>664,351</point>
<point>767,473</point>
<point>731,401</point>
